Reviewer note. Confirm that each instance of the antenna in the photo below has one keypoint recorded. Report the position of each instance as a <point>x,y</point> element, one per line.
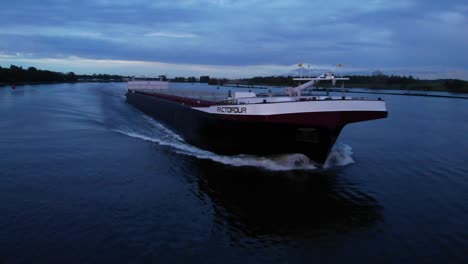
<point>342,83</point>
<point>301,66</point>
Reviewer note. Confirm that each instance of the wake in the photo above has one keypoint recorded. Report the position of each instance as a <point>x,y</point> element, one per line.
<point>155,132</point>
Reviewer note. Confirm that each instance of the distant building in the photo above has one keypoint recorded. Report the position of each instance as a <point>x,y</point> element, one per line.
<point>204,79</point>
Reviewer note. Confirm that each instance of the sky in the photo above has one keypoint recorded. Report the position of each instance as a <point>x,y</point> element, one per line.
<point>235,38</point>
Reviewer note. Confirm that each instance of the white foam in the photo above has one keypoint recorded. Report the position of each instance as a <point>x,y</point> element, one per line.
<point>165,130</point>
<point>340,155</point>
<point>158,133</point>
<point>274,163</point>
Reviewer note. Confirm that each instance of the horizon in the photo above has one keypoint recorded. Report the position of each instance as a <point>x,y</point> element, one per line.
<point>301,71</point>
<point>237,39</point>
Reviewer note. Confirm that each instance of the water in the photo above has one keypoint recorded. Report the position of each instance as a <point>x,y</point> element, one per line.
<point>85,177</point>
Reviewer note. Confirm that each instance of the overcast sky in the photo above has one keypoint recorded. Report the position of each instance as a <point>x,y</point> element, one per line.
<point>235,38</point>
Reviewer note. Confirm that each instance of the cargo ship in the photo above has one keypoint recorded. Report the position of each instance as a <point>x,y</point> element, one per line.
<point>265,124</point>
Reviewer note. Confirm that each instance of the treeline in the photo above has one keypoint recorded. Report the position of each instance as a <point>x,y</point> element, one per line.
<point>102,77</point>
<point>270,80</point>
<point>378,80</point>
<point>183,79</point>
<point>382,81</point>
<point>31,75</point>
<point>202,79</point>
<point>375,81</point>
<point>16,74</point>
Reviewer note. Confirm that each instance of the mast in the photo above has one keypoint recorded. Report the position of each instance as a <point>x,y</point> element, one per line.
<point>296,91</point>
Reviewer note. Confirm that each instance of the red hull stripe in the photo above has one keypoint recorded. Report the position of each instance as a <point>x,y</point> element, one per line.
<point>329,119</point>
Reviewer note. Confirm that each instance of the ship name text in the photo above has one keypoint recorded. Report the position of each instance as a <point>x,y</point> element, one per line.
<point>231,109</point>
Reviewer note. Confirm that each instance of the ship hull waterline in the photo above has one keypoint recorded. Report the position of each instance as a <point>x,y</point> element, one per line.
<point>250,135</point>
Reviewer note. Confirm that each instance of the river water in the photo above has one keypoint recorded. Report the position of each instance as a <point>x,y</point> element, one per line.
<point>86,177</point>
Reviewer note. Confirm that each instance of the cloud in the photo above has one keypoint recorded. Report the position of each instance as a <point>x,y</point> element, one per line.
<point>50,31</point>
<point>452,17</point>
<point>361,33</point>
<point>170,35</point>
<point>148,68</point>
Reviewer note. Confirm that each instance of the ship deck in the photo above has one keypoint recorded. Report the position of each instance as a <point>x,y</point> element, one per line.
<point>217,97</point>
<point>211,96</point>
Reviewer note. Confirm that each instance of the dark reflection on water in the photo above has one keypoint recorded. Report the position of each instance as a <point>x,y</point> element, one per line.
<point>284,206</point>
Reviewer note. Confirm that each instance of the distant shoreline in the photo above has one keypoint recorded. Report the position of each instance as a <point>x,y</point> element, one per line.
<point>17,76</point>
<point>408,93</point>
<point>57,82</point>
<point>420,93</point>
<point>372,90</point>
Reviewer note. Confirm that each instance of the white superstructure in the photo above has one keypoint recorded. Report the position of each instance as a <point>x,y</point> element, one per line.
<point>329,76</point>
